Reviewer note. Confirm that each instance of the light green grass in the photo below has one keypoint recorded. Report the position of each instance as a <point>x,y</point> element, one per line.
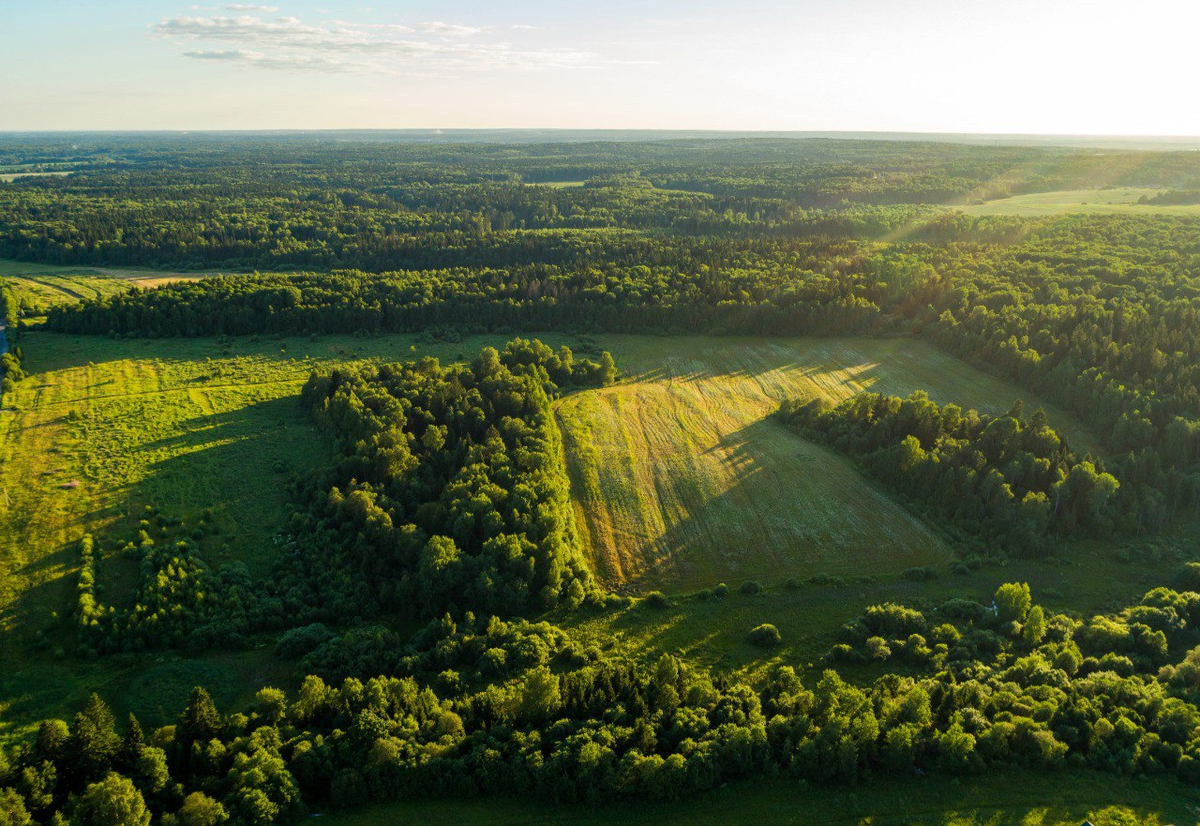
<point>1081,201</point>
<point>556,184</point>
<point>12,176</point>
<point>994,799</point>
<point>680,479</point>
<point>41,286</point>
<point>190,425</point>
<point>1086,580</point>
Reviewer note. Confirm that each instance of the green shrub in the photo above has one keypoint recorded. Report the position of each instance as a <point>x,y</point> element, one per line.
<point>656,599</point>
<point>764,636</point>
<point>1189,576</point>
<point>299,641</point>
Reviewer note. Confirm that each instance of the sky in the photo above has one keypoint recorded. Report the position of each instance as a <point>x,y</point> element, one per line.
<point>984,66</point>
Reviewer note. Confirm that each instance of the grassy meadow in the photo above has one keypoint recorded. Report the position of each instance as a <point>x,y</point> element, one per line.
<point>681,480</point>
<point>103,428</point>
<point>44,285</point>
<point>996,799</point>
<point>199,425</point>
<point>1081,201</point>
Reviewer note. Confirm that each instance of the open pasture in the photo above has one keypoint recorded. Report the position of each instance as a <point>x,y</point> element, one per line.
<point>1081,201</point>
<point>681,480</point>
<point>196,425</point>
<point>45,285</point>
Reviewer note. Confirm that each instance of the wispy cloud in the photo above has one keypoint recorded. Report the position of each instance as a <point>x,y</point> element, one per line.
<point>450,29</point>
<point>232,54</point>
<point>250,7</point>
<point>289,43</point>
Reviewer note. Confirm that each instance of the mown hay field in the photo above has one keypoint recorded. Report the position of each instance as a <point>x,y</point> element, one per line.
<point>1122,199</point>
<point>682,480</point>
<point>45,285</point>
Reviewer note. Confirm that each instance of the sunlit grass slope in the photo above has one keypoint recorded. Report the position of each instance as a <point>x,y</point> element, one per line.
<point>681,480</point>
<point>103,428</point>
<point>45,285</point>
<point>1075,201</point>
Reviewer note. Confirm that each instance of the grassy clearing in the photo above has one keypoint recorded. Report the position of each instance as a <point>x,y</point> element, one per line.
<point>12,176</point>
<point>556,184</point>
<point>680,482</point>
<point>997,799</point>
<point>1075,201</point>
<point>193,425</point>
<point>185,425</point>
<point>712,631</point>
<point>46,285</point>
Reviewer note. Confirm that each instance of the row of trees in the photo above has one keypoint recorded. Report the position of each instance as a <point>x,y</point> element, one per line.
<point>515,708</point>
<point>450,490</point>
<point>1008,480</point>
<point>823,289</point>
<point>10,359</point>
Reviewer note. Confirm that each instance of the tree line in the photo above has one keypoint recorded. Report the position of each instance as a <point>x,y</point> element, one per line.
<point>1009,481</point>
<point>1097,313</point>
<point>488,706</point>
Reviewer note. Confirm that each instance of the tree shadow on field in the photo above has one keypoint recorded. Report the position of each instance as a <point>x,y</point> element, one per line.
<point>706,544</point>
<point>232,466</point>
<point>789,508</point>
<point>250,421</point>
<point>54,591</point>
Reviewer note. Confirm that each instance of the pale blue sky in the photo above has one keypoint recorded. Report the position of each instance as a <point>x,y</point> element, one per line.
<point>1044,66</point>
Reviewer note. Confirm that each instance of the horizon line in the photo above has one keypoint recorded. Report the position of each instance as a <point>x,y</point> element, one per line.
<point>655,129</point>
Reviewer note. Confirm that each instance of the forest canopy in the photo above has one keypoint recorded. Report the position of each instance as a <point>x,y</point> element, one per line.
<point>429,598</point>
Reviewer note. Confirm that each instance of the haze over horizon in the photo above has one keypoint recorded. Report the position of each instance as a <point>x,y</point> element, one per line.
<point>1067,67</point>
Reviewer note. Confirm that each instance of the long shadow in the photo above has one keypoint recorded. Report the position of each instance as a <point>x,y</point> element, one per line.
<point>234,464</point>
<point>750,512</point>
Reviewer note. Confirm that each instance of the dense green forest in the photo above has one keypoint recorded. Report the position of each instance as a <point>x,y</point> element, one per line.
<point>429,584</point>
<point>474,703</point>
